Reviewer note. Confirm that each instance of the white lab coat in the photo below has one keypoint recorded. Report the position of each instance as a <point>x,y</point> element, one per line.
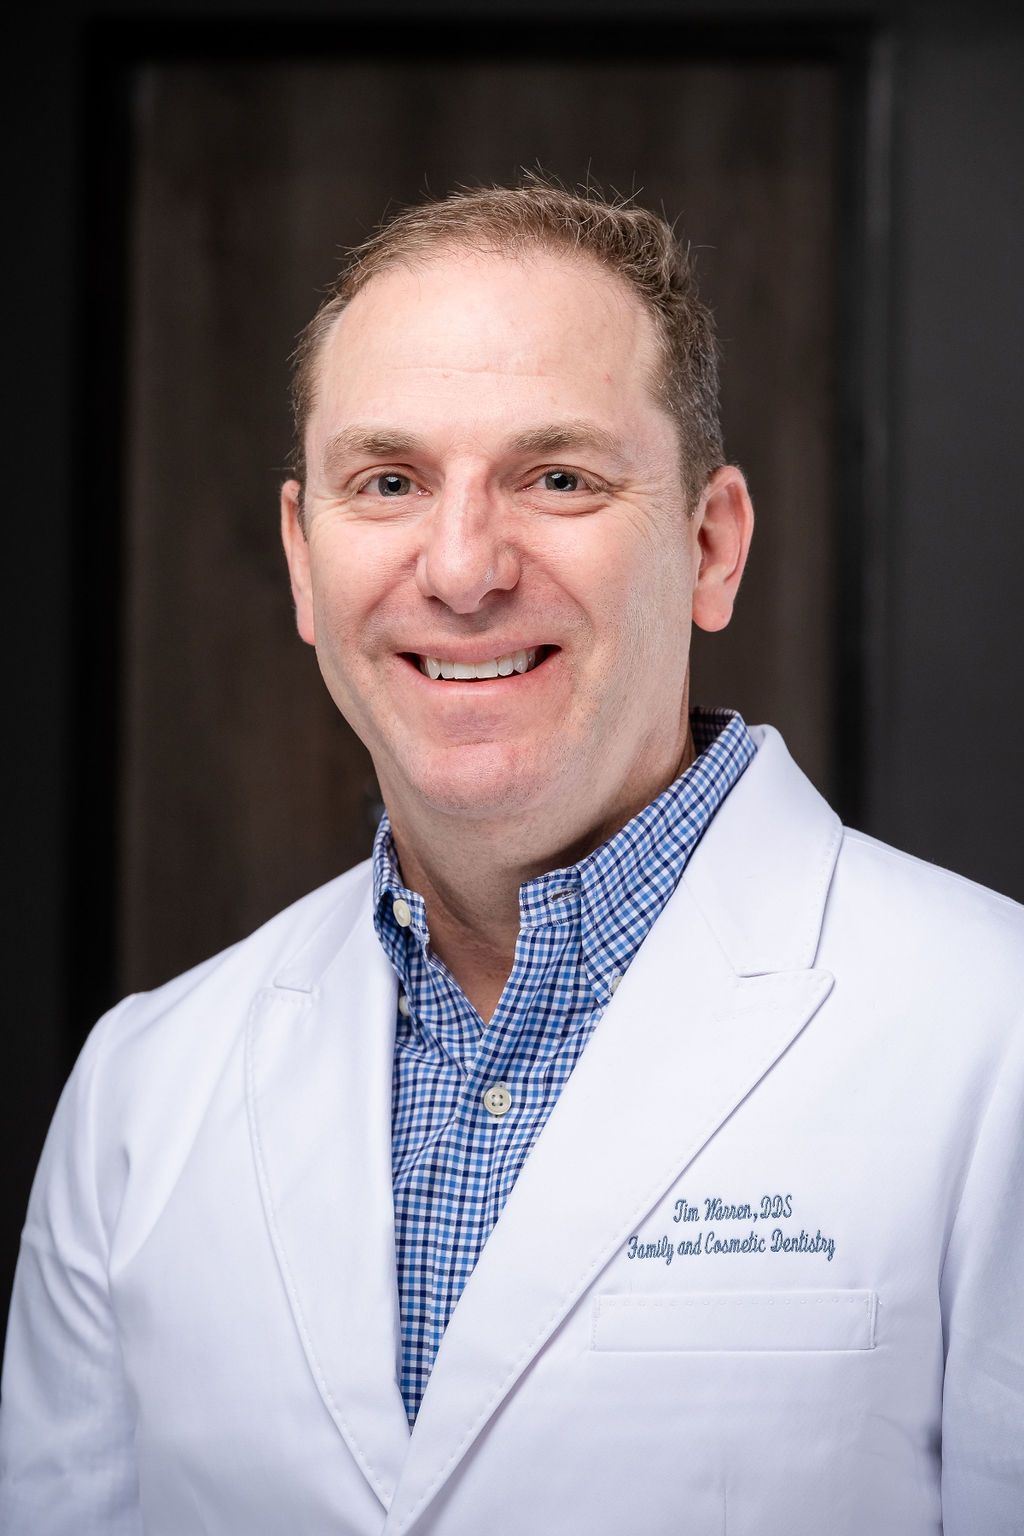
<point>819,1033</point>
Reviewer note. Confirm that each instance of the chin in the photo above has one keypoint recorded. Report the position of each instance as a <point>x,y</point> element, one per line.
<point>488,780</point>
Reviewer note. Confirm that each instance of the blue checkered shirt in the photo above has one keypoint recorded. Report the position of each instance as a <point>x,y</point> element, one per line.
<point>453,1161</point>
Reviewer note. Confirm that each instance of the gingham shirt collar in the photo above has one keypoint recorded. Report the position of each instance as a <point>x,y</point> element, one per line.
<point>615,892</point>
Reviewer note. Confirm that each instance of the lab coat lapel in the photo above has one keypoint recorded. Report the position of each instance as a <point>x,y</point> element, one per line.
<point>695,1025</point>
<point>320,1046</point>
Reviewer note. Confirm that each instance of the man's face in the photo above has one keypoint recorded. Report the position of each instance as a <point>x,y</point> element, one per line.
<point>492,486</point>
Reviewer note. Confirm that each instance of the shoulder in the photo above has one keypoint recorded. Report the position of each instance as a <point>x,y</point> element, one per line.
<point>154,1068</point>
<point>924,956</point>
<point>328,913</point>
<point>922,904</point>
<point>190,1023</point>
<point>900,935</point>
<point>784,835</point>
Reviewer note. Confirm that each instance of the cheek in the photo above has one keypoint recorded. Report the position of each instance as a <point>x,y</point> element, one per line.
<point>350,584</point>
<point>644,603</point>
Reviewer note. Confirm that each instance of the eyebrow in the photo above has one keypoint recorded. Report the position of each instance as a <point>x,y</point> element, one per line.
<point>574,435</point>
<point>367,442</point>
<point>566,436</point>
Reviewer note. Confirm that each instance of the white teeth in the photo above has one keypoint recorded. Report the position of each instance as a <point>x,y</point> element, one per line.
<point>465,671</point>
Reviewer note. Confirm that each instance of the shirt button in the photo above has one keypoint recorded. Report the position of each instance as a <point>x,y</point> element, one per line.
<point>497,1100</point>
<point>613,982</point>
<point>403,1005</point>
<point>403,912</point>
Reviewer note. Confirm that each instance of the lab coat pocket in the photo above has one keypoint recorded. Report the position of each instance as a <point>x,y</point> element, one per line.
<point>735,1321</point>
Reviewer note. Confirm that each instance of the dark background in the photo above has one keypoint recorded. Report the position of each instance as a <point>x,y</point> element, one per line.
<point>927,741</point>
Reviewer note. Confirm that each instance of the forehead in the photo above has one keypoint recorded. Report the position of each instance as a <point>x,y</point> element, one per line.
<point>493,339</point>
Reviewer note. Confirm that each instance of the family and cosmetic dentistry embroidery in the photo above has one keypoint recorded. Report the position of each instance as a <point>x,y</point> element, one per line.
<point>708,1241</point>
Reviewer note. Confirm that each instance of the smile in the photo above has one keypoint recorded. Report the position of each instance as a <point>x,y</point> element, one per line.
<point>438,667</point>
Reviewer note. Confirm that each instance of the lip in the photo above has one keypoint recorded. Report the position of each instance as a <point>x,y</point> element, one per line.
<point>472,651</point>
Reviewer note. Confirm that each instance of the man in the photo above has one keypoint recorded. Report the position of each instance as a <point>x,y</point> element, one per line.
<point>626,1147</point>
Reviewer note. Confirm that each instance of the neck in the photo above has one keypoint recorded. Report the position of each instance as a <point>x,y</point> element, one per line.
<point>469,874</point>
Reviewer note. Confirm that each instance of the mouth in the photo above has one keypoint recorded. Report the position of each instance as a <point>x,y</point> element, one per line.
<point>513,664</point>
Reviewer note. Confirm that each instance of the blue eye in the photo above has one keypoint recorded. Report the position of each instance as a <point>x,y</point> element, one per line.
<point>560,480</point>
<point>393,485</point>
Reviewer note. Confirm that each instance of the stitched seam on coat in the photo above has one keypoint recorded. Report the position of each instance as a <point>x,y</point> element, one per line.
<point>738,1298</point>
<point>968,1168</point>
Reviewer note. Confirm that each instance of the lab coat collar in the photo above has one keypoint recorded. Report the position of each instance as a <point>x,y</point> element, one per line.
<point>319,1053</point>
<point>762,871</point>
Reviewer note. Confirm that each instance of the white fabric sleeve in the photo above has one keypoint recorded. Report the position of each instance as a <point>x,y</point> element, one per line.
<point>67,1455</point>
<point>982,1296</point>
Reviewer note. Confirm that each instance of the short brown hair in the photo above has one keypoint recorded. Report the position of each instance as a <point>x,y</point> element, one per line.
<point>632,243</point>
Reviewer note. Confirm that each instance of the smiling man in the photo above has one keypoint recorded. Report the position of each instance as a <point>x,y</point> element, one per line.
<point>626,1145</point>
<point>493,555</point>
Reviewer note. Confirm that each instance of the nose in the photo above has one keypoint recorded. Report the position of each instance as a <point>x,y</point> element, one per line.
<point>467,554</point>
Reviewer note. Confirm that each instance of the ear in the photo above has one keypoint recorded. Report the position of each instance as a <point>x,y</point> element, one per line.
<point>296,552</point>
<point>724,526</point>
